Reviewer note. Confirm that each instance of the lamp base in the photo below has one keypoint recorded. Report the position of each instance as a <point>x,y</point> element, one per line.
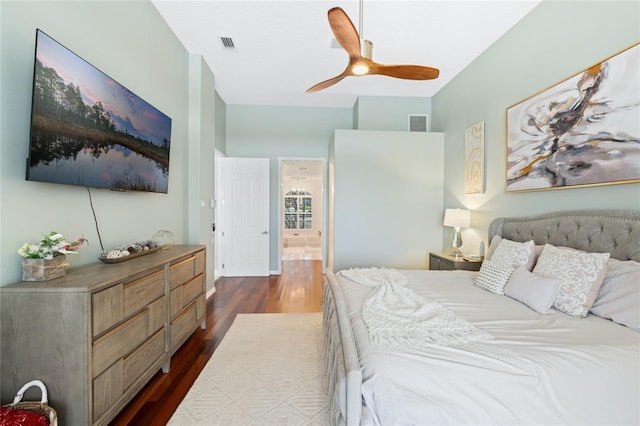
<point>456,243</point>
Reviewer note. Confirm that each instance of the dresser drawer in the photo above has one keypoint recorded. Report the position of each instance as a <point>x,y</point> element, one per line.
<point>140,360</point>
<point>182,272</point>
<point>138,294</point>
<point>175,301</point>
<point>183,325</point>
<point>107,309</point>
<point>119,342</point>
<point>444,266</point>
<point>157,314</point>
<point>200,262</point>
<point>192,289</point>
<point>107,388</point>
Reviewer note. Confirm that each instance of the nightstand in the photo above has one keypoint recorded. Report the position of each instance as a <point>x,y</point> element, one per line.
<point>442,261</point>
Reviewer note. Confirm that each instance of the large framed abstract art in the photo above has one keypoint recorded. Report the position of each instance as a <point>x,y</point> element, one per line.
<point>582,131</point>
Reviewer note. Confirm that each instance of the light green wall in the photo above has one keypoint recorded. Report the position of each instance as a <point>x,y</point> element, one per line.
<point>131,43</point>
<point>554,41</point>
<point>201,170</point>
<point>276,132</point>
<point>388,112</point>
<point>221,124</point>
<point>386,204</point>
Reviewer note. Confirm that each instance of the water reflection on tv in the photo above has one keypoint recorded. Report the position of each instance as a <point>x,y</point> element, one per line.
<point>86,129</point>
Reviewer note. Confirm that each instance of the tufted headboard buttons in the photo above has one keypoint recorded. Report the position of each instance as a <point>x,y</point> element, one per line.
<point>595,231</point>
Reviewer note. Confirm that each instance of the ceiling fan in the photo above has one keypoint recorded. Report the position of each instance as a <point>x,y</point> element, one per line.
<point>360,52</point>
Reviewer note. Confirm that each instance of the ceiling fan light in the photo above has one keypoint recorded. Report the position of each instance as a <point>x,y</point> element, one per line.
<point>360,69</point>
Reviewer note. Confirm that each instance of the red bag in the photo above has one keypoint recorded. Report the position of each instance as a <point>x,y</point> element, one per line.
<point>15,417</point>
<point>29,413</point>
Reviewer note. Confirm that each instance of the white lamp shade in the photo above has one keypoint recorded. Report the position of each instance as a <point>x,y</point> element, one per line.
<point>457,218</point>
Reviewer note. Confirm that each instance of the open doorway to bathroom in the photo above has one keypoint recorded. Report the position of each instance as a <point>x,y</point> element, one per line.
<point>302,209</point>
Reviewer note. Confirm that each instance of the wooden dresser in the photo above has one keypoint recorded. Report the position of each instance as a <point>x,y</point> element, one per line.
<point>97,335</point>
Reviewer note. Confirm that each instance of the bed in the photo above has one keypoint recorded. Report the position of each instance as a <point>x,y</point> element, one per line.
<point>532,356</point>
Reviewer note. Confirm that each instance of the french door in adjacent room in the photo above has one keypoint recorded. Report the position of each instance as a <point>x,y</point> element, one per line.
<point>245,233</point>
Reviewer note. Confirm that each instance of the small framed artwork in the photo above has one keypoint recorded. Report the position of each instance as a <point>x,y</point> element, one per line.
<point>583,131</point>
<point>474,159</point>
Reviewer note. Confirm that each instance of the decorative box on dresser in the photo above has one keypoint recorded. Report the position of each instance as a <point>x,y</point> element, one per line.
<point>441,261</point>
<point>97,335</point>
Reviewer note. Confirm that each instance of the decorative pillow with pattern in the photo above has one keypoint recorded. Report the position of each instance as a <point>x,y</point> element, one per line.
<point>581,274</point>
<point>493,277</point>
<point>514,255</point>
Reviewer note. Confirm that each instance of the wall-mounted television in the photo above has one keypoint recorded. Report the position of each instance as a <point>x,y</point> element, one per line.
<point>89,130</point>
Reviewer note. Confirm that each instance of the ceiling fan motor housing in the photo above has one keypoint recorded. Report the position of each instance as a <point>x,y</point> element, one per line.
<point>366,49</point>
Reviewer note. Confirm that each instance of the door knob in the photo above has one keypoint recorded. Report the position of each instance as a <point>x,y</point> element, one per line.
<point>265,232</point>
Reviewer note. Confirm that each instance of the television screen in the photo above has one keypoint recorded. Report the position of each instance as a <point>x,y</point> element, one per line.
<point>89,130</point>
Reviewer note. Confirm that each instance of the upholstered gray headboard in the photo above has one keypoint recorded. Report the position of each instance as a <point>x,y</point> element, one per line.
<point>595,231</point>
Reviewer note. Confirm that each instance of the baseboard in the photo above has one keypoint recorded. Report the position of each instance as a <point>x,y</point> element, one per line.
<point>211,292</point>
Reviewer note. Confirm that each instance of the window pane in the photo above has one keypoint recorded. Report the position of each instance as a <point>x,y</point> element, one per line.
<point>290,221</point>
<point>305,204</point>
<point>305,221</point>
<point>290,204</point>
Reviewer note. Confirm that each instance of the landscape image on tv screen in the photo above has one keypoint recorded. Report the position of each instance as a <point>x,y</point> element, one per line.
<point>89,130</point>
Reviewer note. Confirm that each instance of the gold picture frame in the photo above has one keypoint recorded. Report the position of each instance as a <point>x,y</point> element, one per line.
<point>582,131</point>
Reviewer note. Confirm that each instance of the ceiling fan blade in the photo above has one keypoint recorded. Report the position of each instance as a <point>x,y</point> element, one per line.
<point>344,31</point>
<point>326,83</point>
<point>408,72</point>
<point>361,63</point>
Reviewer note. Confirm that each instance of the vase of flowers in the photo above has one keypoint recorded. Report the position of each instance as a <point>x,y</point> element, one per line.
<point>46,259</point>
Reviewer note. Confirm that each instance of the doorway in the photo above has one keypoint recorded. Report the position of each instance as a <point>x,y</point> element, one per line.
<point>302,207</point>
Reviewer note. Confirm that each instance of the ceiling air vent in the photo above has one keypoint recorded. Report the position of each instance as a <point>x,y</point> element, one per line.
<point>418,123</point>
<point>227,42</point>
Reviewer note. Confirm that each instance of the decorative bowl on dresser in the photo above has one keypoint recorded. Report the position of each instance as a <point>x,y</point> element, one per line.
<point>96,336</point>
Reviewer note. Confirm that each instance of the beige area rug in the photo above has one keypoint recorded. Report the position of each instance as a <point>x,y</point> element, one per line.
<point>268,370</point>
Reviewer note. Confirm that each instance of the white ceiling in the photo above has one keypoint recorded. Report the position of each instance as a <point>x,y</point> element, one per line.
<point>284,47</point>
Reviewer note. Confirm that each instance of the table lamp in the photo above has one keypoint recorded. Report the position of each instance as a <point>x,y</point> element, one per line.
<point>457,218</point>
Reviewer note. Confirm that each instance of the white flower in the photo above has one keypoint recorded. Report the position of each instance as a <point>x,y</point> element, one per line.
<point>50,246</point>
<point>23,250</point>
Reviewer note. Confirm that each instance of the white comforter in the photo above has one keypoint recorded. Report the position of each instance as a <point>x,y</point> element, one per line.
<point>535,369</point>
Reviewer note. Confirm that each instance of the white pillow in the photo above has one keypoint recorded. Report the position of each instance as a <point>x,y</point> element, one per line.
<point>493,277</point>
<point>619,296</point>
<point>513,255</point>
<point>581,274</point>
<point>533,290</point>
<point>493,245</point>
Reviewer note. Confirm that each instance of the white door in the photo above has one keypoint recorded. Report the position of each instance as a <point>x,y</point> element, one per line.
<point>245,233</point>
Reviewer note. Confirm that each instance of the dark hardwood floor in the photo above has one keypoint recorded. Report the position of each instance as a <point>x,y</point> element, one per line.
<point>298,289</point>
